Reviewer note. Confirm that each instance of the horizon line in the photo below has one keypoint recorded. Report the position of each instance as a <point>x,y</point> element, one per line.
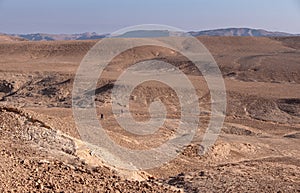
<point>187,31</point>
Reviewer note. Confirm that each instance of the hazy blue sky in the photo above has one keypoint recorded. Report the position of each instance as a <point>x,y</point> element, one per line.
<point>71,16</point>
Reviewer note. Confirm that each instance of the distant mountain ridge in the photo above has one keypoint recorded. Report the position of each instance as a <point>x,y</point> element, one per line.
<point>241,32</point>
<point>214,32</point>
<point>55,37</point>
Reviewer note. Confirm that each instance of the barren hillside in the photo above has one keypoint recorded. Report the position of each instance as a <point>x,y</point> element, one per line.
<point>258,149</point>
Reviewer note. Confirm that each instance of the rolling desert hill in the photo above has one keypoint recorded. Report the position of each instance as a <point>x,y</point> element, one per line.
<point>253,58</point>
<point>7,38</point>
<point>258,149</point>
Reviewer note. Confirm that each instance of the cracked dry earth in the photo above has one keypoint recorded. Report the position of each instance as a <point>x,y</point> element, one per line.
<point>258,149</point>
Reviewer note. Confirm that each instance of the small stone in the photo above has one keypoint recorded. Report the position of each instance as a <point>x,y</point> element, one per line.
<point>44,162</point>
<point>25,161</point>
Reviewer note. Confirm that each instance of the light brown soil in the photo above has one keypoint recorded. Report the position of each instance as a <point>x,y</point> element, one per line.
<point>258,149</point>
